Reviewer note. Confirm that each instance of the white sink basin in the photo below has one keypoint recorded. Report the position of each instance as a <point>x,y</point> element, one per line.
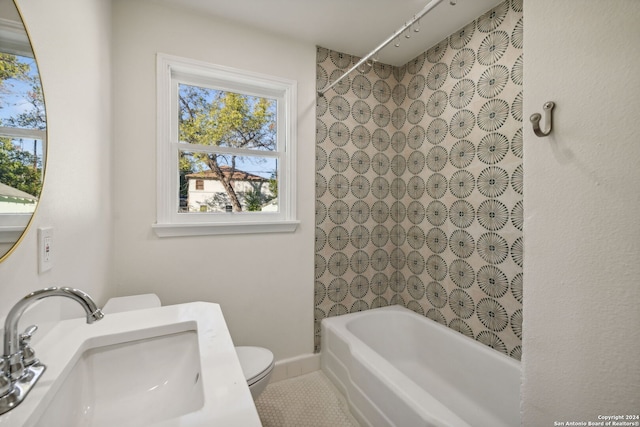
<point>131,384</point>
<point>171,366</point>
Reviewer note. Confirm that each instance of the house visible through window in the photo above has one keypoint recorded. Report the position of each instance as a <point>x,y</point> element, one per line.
<point>225,149</point>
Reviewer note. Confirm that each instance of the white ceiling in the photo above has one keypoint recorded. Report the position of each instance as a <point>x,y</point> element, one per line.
<point>350,26</point>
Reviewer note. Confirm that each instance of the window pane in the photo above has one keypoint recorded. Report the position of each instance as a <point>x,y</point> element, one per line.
<point>20,174</point>
<point>226,119</point>
<point>227,183</point>
<point>22,100</point>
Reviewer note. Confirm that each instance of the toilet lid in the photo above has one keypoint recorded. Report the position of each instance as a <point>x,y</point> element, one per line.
<point>256,362</point>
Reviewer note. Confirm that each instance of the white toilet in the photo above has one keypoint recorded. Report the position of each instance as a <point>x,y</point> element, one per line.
<point>257,365</point>
<point>256,362</point>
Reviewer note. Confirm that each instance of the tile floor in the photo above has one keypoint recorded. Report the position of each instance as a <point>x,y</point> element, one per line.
<point>309,400</point>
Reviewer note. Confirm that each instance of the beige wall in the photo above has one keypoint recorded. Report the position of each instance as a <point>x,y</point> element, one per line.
<point>581,197</point>
<point>264,283</point>
<point>73,52</point>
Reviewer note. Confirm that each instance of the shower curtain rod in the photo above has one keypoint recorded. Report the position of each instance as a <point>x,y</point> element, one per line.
<point>415,18</point>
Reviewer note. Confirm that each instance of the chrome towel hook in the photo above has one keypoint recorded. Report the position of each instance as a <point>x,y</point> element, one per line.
<point>535,119</point>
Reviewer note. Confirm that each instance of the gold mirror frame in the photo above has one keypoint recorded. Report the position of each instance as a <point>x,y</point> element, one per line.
<point>19,74</point>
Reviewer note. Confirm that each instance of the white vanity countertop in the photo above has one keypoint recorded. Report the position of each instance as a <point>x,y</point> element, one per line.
<point>227,399</point>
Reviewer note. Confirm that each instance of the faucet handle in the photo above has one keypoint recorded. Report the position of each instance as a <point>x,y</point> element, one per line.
<point>25,337</point>
<point>28,354</point>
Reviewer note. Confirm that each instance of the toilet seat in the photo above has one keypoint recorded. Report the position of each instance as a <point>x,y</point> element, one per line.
<point>256,363</point>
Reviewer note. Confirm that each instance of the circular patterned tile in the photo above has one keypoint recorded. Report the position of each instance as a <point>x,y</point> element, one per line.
<point>462,93</point>
<point>492,181</point>
<point>415,65</point>
<point>493,114</point>
<point>359,262</point>
<point>437,131</point>
<point>492,314</point>
<point>338,238</point>
<point>338,289</point>
<point>492,281</point>
<point>436,267</point>
<point>339,134</point>
<point>436,185</point>
<point>462,184</point>
<point>461,244</point>
<point>380,139</point>
<point>360,212</point>
<point>381,115</point>
<point>361,86</point>
<point>416,187</point>
<point>381,91</point>
<point>339,160</point>
<point>416,161</point>
<point>415,287</point>
<point>359,237</point>
<point>415,237</point>
<point>517,215</point>
<point>461,326</point>
<point>338,264</point>
<point>379,211</point>
<point>415,262</point>
<point>460,38</point>
<point>436,213</point>
<point>492,340</point>
<point>436,160</point>
<point>359,286</point>
<point>462,63</point>
<point>361,137</point>
<point>493,47</point>
<point>461,303</point>
<point>437,103</point>
<point>492,248</point>
<point>492,81</point>
<point>380,164</point>
<point>493,148</point>
<point>416,86</point>
<point>436,240</point>
<point>436,53</point>
<point>492,19</point>
<point>436,294</point>
<point>461,213</point>
<point>338,212</point>
<point>338,186</point>
<point>360,161</point>
<point>462,123</point>
<point>516,287</point>
<point>339,107</point>
<point>462,154</point>
<point>361,112</point>
<point>379,235</point>
<point>493,214</point>
<point>360,186</point>
<point>437,76</point>
<point>461,273</point>
<point>416,212</point>
<point>415,113</point>
<point>416,136</point>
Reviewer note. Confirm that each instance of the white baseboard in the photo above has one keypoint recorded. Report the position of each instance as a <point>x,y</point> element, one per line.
<point>295,366</point>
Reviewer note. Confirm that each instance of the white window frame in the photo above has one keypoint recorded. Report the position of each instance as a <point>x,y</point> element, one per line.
<point>173,70</point>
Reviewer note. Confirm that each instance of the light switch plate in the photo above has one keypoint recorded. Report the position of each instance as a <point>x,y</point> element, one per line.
<point>45,249</point>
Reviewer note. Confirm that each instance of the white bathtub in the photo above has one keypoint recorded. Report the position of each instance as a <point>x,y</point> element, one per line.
<point>398,368</point>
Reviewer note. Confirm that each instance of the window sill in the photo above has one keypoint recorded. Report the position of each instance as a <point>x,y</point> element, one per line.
<point>213,229</point>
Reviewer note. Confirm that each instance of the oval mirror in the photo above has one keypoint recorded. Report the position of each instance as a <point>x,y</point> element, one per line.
<point>22,130</point>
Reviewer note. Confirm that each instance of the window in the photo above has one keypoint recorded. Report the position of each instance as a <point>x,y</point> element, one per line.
<point>22,133</point>
<point>226,150</point>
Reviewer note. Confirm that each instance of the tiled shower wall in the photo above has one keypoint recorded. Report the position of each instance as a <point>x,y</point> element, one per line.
<point>419,183</point>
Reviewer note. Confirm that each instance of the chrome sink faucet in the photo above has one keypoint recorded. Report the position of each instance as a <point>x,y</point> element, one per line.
<point>19,368</point>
